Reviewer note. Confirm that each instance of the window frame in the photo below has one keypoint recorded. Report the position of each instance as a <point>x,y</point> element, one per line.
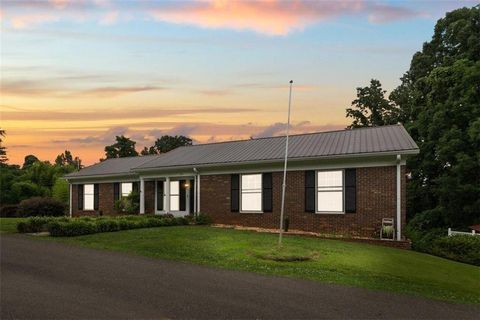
<point>121,189</point>
<point>241,193</point>
<point>317,191</point>
<point>85,207</point>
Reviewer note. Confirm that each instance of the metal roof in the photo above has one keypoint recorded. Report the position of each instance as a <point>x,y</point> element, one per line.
<point>353,142</point>
<point>343,142</point>
<point>112,166</point>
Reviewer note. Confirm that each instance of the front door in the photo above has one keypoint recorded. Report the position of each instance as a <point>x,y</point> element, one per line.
<point>177,195</point>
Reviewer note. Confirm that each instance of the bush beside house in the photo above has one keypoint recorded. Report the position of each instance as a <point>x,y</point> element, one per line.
<point>41,206</point>
<point>67,227</point>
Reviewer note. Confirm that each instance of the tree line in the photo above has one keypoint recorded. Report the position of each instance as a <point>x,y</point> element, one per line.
<point>37,178</point>
<point>438,102</point>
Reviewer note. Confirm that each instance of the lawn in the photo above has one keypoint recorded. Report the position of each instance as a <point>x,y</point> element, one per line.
<point>331,261</point>
<point>9,225</point>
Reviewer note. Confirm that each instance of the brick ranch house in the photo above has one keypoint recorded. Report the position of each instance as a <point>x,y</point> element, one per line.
<point>338,183</point>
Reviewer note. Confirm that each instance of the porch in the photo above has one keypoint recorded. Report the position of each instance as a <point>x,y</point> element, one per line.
<point>176,195</point>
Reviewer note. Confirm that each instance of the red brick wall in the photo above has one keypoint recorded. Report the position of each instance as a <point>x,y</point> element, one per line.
<point>106,202</point>
<point>376,199</point>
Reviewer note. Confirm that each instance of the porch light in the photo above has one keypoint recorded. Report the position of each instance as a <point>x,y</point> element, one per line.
<point>187,185</point>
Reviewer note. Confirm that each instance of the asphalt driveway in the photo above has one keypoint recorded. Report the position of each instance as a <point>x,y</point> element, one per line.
<point>49,280</point>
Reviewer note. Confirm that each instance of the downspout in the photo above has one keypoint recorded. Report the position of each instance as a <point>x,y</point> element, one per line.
<point>399,198</point>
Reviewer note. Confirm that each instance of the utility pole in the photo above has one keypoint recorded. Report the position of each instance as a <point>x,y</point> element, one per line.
<point>280,234</point>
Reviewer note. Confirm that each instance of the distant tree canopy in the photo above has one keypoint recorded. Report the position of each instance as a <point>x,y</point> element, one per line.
<point>168,143</point>
<point>66,159</point>
<point>438,102</point>
<point>3,150</point>
<point>29,161</point>
<point>371,108</point>
<point>123,147</point>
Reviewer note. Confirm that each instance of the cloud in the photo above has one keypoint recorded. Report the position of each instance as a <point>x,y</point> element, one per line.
<point>384,14</point>
<point>109,18</point>
<point>130,113</point>
<point>269,17</point>
<point>37,88</point>
<point>274,17</point>
<point>279,128</point>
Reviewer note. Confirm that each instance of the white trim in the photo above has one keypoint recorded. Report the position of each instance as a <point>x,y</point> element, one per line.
<point>195,195</point>
<point>166,189</point>
<point>198,196</point>
<point>297,166</point>
<point>399,198</point>
<point>343,193</point>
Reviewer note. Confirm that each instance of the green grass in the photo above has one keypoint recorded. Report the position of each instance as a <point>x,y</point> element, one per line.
<point>9,225</point>
<point>331,261</point>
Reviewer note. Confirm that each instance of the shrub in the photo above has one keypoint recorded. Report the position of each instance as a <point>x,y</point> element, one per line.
<point>461,248</point>
<point>8,211</point>
<point>203,219</point>
<point>75,227</point>
<point>38,206</point>
<point>107,225</point>
<point>61,191</point>
<point>37,224</point>
<point>129,204</point>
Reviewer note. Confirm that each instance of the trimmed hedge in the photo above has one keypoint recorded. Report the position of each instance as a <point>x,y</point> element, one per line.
<point>461,248</point>
<point>67,227</point>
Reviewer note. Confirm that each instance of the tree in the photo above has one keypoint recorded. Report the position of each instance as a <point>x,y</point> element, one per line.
<point>439,104</point>
<point>3,150</point>
<point>29,161</point>
<point>123,147</point>
<point>371,108</point>
<point>167,143</point>
<point>61,191</point>
<point>66,159</point>
<point>147,151</point>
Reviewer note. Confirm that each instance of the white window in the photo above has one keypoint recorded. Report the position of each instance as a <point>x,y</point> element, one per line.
<point>251,193</point>
<point>330,191</point>
<point>126,188</point>
<point>88,197</point>
<point>174,195</point>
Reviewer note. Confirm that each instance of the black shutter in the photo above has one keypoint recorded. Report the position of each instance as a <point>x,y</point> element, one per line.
<point>95,196</point>
<point>235,193</point>
<point>310,191</point>
<point>80,196</point>
<point>116,192</point>
<point>160,195</point>
<point>192,195</point>
<point>183,195</point>
<point>136,187</point>
<point>350,190</point>
<point>267,195</point>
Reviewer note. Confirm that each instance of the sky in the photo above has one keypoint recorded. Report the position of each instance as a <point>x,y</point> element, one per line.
<point>74,74</point>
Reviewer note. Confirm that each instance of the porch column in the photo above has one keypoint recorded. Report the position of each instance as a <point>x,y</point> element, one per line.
<point>142,196</point>
<point>399,198</point>
<point>167,195</point>
<point>198,196</point>
<point>194,194</point>
<point>71,197</point>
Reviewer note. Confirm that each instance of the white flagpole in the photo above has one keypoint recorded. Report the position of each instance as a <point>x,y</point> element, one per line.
<point>280,234</point>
